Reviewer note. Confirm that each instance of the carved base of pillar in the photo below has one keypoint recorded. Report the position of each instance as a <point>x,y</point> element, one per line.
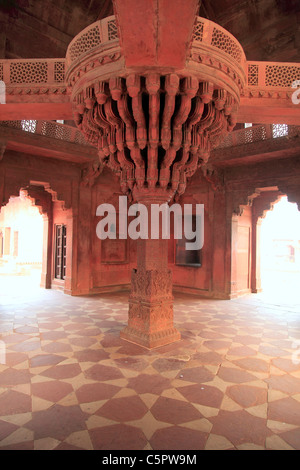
<point>150,340</point>
<point>150,321</point>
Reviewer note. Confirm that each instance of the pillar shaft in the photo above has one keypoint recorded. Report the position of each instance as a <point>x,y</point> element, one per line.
<point>256,261</point>
<point>46,275</point>
<point>150,319</point>
<point>158,34</point>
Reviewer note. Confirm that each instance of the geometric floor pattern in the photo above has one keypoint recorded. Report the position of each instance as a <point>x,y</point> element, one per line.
<point>69,382</point>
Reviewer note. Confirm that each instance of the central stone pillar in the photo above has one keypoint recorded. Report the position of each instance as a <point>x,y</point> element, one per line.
<point>154,89</point>
<point>150,317</point>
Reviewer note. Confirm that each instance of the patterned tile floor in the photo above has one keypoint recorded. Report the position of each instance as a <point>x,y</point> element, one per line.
<point>70,382</point>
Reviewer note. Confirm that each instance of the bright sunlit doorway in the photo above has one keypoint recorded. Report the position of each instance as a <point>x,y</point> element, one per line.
<point>280,253</point>
<point>21,247</point>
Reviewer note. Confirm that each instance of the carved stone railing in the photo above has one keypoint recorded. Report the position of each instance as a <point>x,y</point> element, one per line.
<point>272,75</point>
<point>31,83</point>
<point>101,35</point>
<point>215,47</point>
<point>53,130</point>
<point>259,134</point>
<point>25,76</point>
<point>211,34</point>
<point>94,35</point>
<point>101,40</point>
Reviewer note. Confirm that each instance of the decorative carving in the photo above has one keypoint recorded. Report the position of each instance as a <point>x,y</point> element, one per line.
<point>215,176</point>
<point>39,198</point>
<point>253,72</point>
<point>154,130</point>
<point>226,43</point>
<point>265,202</point>
<point>36,90</point>
<point>151,285</point>
<point>243,198</point>
<point>115,120</point>
<point>86,41</point>
<point>258,134</point>
<point>29,72</point>
<point>91,173</point>
<point>49,129</point>
<point>281,75</point>
<point>292,192</point>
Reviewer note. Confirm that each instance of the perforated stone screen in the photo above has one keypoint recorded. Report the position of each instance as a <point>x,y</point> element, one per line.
<point>112,30</point>
<point>226,43</point>
<point>253,71</point>
<point>59,72</point>
<point>282,75</point>
<point>85,42</point>
<point>28,72</point>
<point>198,31</point>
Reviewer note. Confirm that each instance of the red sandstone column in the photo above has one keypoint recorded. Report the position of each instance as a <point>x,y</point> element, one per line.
<point>255,267</point>
<point>68,289</point>
<point>150,320</point>
<point>47,252</point>
<point>159,32</point>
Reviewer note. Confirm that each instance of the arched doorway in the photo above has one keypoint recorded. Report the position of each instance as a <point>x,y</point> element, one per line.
<point>30,243</point>
<point>280,252</point>
<point>21,250</point>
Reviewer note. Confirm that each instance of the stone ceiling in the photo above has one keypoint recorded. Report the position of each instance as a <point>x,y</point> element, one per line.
<point>268,29</point>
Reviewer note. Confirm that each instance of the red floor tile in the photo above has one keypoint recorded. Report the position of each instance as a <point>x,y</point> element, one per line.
<point>239,427</point>
<point>57,422</point>
<point>123,409</point>
<point>202,394</point>
<point>118,437</point>
<point>247,396</point>
<point>174,411</point>
<point>177,438</point>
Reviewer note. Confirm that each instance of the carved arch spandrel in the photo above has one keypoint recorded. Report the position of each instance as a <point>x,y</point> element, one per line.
<point>265,203</point>
<point>242,198</point>
<point>247,196</point>
<point>39,198</point>
<point>292,192</point>
<point>12,187</point>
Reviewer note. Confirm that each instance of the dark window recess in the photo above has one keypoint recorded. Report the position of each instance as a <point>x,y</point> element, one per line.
<point>60,251</point>
<point>188,257</point>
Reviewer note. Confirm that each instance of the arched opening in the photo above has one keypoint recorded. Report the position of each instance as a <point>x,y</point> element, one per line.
<point>21,243</point>
<point>34,245</point>
<point>280,252</point>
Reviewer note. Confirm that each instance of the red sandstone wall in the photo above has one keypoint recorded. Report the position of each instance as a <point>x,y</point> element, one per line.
<point>196,279</point>
<point>95,266</point>
<point>241,253</point>
<point>111,260</point>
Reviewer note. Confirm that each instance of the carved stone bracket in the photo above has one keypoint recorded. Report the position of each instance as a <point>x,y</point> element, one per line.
<point>91,173</point>
<point>215,176</point>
